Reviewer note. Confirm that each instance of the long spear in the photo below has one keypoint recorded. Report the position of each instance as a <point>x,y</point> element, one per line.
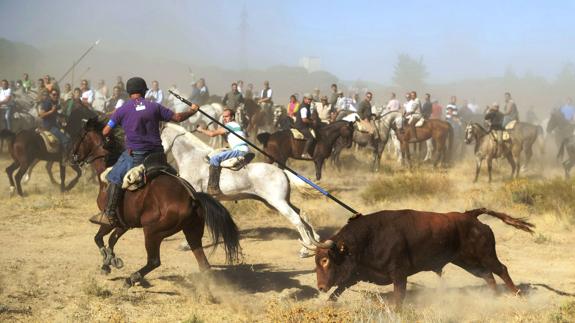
<point>76,62</point>
<point>303,178</point>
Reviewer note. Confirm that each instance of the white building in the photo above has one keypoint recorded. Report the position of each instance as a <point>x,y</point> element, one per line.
<point>310,63</point>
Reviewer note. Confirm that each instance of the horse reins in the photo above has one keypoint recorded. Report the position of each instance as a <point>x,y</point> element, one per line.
<point>174,141</point>
<point>88,160</point>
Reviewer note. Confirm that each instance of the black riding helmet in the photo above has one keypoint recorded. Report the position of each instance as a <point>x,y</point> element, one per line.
<point>136,85</point>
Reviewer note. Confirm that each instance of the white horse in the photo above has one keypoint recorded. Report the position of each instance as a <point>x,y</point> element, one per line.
<point>214,110</point>
<point>259,181</point>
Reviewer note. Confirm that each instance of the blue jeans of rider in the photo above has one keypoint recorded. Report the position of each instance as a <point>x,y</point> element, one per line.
<point>62,137</point>
<point>124,164</point>
<point>8,116</point>
<point>217,159</point>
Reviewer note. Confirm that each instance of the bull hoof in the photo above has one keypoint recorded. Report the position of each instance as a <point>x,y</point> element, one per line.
<point>118,263</point>
<point>105,270</point>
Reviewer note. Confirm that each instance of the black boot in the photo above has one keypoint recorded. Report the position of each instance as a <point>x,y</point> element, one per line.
<point>110,214</point>
<point>305,154</point>
<point>214,181</point>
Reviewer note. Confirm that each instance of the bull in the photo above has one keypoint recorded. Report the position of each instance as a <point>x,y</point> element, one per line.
<point>388,246</point>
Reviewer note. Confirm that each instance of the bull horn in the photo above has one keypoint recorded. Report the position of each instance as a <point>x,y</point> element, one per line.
<point>308,247</point>
<point>328,244</point>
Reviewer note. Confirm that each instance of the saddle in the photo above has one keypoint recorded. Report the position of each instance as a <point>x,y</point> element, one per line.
<point>510,125</point>
<point>50,141</point>
<point>297,135</point>
<point>154,165</point>
<point>235,163</point>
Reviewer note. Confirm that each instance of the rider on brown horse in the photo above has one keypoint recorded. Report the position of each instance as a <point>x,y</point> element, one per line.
<point>494,119</point>
<point>140,120</point>
<point>303,123</point>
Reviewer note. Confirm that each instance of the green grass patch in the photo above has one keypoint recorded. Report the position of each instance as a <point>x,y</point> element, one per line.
<point>407,185</point>
<point>556,196</point>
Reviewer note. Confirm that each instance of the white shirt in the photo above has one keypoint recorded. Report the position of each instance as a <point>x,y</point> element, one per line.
<point>409,106</point>
<point>89,95</point>
<point>304,112</point>
<point>235,142</point>
<point>5,93</point>
<point>158,96</point>
<point>119,103</point>
<point>392,105</point>
<point>269,93</point>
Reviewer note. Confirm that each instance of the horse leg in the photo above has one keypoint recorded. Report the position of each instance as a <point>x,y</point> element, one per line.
<point>28,175</point>
<point>49,171</point>
<point>99,239</point>
<point>153,242</point>
<point>73,183</point>
<point>62,177</point>
<point>478,162</point>
<point>489,167</point>
<point>318,165</point>
<point>194,231</point>
<point>18,177</point>
<point>511,160</point>
<point>10,171</point>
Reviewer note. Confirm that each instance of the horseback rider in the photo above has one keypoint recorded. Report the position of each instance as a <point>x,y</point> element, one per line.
<point>238,148</point>
<point>233,98</point>
<point>303,123</point>
<point>510,112</point>
<point>49,115</point>
<point>494,119</point>
<point>265,101</point>
<point>7,103</point>
<point>364,112</point>
<point>413,112</point>
<point>140,120</point>
<point>568,111</point>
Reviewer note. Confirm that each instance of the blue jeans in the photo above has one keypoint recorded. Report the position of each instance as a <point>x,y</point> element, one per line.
<point>8,116</point>
<point>217,159</point>
<point>62,137</point>
<point>124,164</point>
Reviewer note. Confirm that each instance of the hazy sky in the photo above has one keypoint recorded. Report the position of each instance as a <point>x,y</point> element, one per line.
<point>355,40</point>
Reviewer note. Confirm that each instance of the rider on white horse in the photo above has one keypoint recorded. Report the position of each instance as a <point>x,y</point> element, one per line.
<point>237,145</point>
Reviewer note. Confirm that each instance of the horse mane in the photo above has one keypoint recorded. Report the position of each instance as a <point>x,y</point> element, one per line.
<point>95,124</point>
<point>196,142</point>
<point>480,126</point>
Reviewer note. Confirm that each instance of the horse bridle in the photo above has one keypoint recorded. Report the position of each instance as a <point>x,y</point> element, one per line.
<point>174,141</point>
<point>88,160</point>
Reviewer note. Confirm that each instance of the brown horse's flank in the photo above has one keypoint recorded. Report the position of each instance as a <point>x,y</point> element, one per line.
<point>162,207</point>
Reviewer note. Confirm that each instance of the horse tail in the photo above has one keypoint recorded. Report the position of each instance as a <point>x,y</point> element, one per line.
<point>518,223</point>
<point>6,134</point>
<point>221,226</point>
<point>263,138</point>
<point>541,139</point>
<point>562,148</point>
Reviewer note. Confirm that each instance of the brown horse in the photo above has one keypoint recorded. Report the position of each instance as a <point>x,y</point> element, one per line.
<point>26,148</point>
<point>163,207</point>
<point>281,145</point>
<point>440,131</point>
<point>257,119</point>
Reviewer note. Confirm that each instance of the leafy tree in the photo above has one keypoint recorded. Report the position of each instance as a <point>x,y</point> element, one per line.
<point>409,73</point>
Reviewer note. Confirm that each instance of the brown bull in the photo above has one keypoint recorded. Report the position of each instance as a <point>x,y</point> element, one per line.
<point>388,246</point>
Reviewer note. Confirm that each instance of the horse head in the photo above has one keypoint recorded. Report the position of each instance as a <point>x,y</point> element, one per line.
<point>556,120</point>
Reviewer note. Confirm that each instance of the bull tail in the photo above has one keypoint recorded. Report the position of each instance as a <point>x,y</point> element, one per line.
<point>263,138</point>
<point>562,148</point>
<point>518,223</point>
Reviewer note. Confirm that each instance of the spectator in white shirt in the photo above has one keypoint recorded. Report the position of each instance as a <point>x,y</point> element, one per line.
<point>155,94</point>
<point>87,94</point>
<point>393,103</point>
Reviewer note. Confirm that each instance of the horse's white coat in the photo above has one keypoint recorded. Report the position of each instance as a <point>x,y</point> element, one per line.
<point>256,180</point>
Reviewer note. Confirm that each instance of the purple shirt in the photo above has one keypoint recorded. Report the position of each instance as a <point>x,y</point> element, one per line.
<point>140,120</point>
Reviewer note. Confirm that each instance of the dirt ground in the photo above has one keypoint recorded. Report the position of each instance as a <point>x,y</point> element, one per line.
<point>49,263</point>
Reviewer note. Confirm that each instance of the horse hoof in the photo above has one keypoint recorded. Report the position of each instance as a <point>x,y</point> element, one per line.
<point>105,270</point>
<point>117,262</point>
<point>25,179</point>
<point>12,191</point>
<point>134,278</point>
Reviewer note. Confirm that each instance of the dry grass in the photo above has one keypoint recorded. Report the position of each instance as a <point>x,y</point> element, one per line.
<point>417,184</point>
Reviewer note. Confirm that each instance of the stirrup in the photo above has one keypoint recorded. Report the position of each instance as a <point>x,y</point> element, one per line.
<point>101,219</point>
